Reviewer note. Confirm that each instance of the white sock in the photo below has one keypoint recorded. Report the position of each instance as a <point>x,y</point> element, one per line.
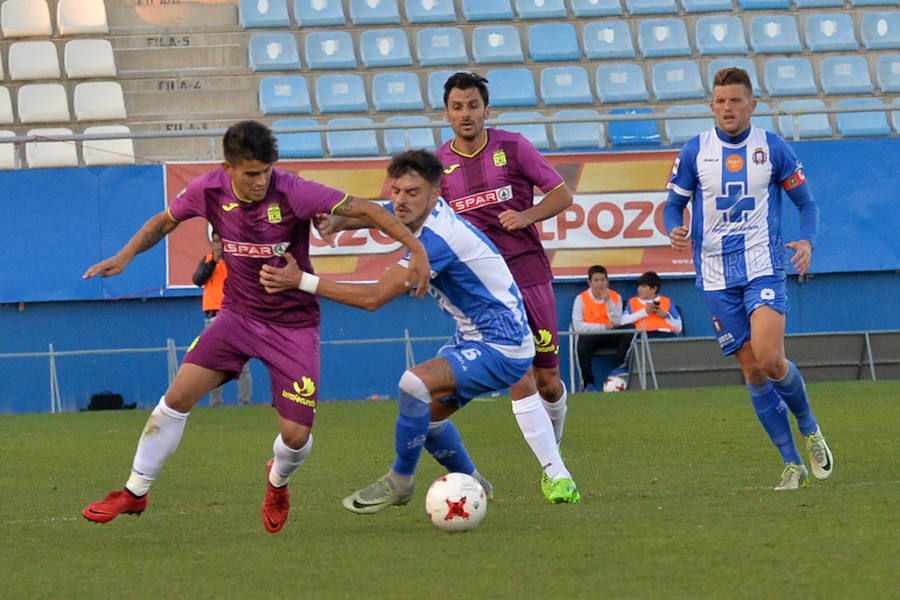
<point>158,442</point>
<point>557,411</point>
<point>287,460</point>
<point>535,424</point>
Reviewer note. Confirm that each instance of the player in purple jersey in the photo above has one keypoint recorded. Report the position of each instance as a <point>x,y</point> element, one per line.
<point>262,214</point>
<point>489,179</point>
<point>739,257</point>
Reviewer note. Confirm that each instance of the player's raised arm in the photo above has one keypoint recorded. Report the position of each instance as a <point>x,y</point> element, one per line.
<point>155,229</point>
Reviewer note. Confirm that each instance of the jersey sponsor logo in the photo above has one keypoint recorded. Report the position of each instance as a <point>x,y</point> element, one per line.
<point>794,180</point>
<point>735,202</point>
<point>248,250</point>
<point>734,163</point>
<point>499,158</point>
<point>451,168</point>
<point>759,156</point>
<point>274,213</point>
<point>725,340</point>
<point>543,342</point>
<point>230,207</point>
<point>302,393</point>
<point>675,166</point>
<point>480,199</point>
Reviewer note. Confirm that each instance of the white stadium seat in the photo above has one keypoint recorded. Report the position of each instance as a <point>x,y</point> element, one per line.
<point>43,103</point>
<point>42,153</point>
<point>99,101</point>
<point>118,151</point>
<point>7,151</point>
<point>24,18</point>
<point>74,17</point>
<point>33,60</point>
<point>89,58</point>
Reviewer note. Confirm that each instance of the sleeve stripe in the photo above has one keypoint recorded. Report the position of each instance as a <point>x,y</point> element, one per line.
<point>344,199</point>
<point>679,190</point>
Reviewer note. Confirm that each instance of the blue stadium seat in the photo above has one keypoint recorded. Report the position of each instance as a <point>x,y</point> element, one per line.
<point>818,3</point>
<point>318,13</point>
<point>412,138</point>
<point>763,122</point>
<point>536,133</point>
<point>284,95</point>
<point>696,6</point>
<point>895,115</point>
<point>746,64</point>
<point>677,80</point>
<point>384,48</point>
<point>790,77</point>
<point>397,91</point>
<point>436,80</point>
<point>633,133</point>
<point>553,42</point>
<point>446,134</point>
<point>566,85</point>
<point>306,144</point>
<point>511,87</point>
<point>263,13</point>
<point>888,73</point>
<point>880,30</point>
<point>496,44</point>
<point>809,126</point>
<point>663,37</point>
<point>541,9</point>
<point>862,124</point>
<point>607,39</point>
<point>584,135</point>
<point>678,131</point>
<point>651,7</point>
<point>846,75</point>
<point>621,83</point>
<point>764,4</point>
<point>720,35</point>
<point>487,10</point>
<point>273,52</point>
<point>330,50</point>
<point>336,93</point>
<point>596,8</point>
<point>831,32</point>
<point>775,34</point>
<point>441,46</point>
<point>374,12</point>
<point>362,142</point>
<point>855,3</point>
<point>430,11</point>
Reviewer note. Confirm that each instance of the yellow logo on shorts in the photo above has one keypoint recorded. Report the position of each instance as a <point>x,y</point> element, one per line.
<point>543,342</point>
<point>499,158</point>
<point>302,392</point>
<point>274,212</point>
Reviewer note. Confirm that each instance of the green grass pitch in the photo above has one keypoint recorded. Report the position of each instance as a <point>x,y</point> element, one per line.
<point>676,503</point>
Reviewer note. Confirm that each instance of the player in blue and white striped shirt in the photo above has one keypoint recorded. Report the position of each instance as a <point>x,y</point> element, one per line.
<point>734,175</point>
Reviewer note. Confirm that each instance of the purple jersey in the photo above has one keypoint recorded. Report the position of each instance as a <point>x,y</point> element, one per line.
<point>501,176</point>
<point>258,233</point>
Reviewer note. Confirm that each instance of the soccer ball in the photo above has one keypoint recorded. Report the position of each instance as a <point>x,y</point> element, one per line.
<point>456,502</point>
<point>615,383</point>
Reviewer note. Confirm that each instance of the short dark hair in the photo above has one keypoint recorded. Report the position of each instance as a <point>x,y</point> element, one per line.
<point>733,76</point>
<point>422,162</point>
<point>249,140</point>
<point>597,269</point>
<point>466,81</point>
<point>650,279</point>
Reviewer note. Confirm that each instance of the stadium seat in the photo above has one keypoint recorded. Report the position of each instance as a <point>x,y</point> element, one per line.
<point>596,8</point>
<point>274,52</point>
<point>720,35</point>
<point>430,11</point>
<point>846,75</point>
<point>436,80</point>
<point>330,50</point>
<point>697,6</point>
<point>818,3</point>
<point>809,126</point>
<point>746,64</point>
<point>7,151</point>
<point>384,48</point>
<point>362,142</point>
<point>318,13</point>
<point>789,77</point>
<point>511,87</point>
<point>253,14</point>
<point>42,153</point>
<point>763,121</point>
<point>541,9</point>
<point>99,101</point>
<point>536,133</point>
<point>496,44</point>
<point>880,30</point>
<point>6,110</point>
<point>678,131</point>
<point>566,85</point>
<point>300,144</point>
<point>89,58</point>
<point>895,115</point>
<point>764,4</point>
<point>553,42</point>
<point>42,103</point>
<point>607,39</point>
<point>862,124</point>
<point>397,91</point>
<point>578,135</point>
<point>831,32</point>
<point>118,151</point>
<point>284,95</point>
<point>888,73</point>
<point>775,34</point>
<point>855,3</point>
<point>374,12</point>
<point>412,138</point>
<point>677,80</point>
<point>663,37</point>
<point>25,18</point>
<point>621,83</point>
<point>441,46</point>
<point>33,60</point>
<point>651,7</point>
<point>633,133</point>
<point>487,10</point>
<point>338,92</point>
<point>77,17</point>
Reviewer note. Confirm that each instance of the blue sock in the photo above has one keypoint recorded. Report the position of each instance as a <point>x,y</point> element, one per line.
<point>793,391</point>
<point>445,445</point>
<point>772,413</point>
<point>409,433</point>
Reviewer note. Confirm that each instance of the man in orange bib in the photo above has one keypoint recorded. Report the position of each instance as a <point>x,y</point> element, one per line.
<point>648,310</point>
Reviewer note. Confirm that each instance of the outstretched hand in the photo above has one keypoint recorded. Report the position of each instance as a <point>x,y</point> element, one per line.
<point>106,268</point>
<point>802,255</point>
<point>280,279</point>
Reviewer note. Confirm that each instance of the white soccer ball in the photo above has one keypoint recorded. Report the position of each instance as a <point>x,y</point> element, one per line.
<point>615,383</point>
<point>456,502</point>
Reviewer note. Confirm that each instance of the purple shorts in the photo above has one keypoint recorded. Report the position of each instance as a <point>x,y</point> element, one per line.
<point>290,354</point>
<point>540,306</point>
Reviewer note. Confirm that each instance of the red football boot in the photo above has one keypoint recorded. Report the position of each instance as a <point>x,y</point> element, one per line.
<point>116,503</point>
<point>276,505</point>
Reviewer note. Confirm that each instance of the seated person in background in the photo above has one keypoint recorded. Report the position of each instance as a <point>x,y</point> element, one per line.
<point>648,310</point>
